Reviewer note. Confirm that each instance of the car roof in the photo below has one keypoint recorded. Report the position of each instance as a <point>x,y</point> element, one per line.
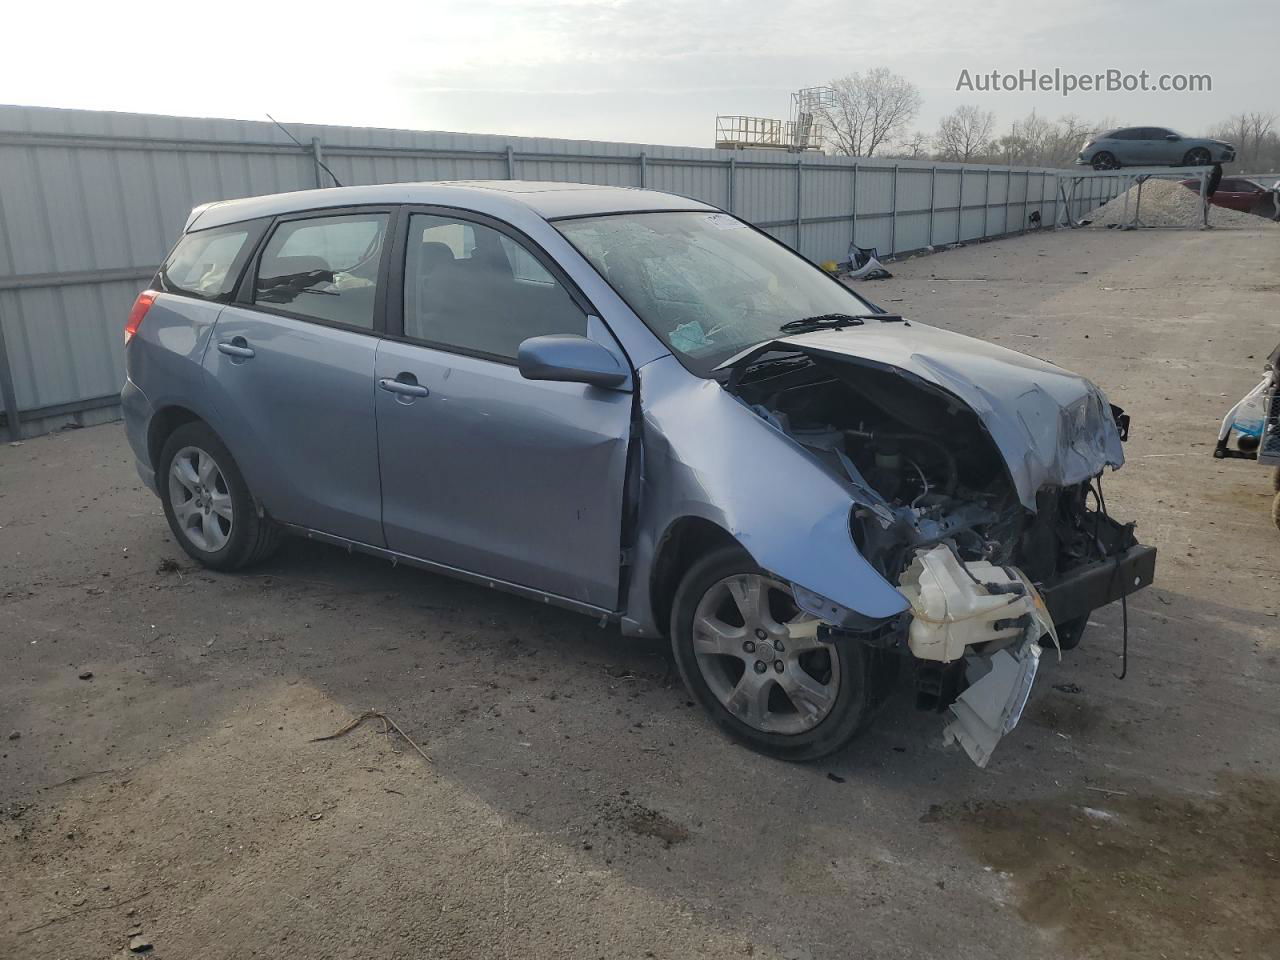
<point>504,199</point>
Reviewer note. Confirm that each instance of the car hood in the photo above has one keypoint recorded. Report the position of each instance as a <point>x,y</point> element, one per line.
<point>1052,427</point>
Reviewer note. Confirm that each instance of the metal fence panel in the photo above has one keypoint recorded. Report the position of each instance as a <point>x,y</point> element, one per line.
<point>90,202</point>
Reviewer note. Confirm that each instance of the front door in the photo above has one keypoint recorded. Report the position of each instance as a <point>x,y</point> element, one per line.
<point>484,471</point>
<point>291,368</point>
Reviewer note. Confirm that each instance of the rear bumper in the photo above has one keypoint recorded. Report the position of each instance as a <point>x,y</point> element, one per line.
<point>1092,585</point>
<point>138,411</point>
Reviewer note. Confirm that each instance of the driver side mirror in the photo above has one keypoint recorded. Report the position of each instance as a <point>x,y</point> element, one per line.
<point>569,358</point>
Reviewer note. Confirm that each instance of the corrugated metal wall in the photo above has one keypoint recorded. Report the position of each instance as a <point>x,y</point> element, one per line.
<point>90,202</point>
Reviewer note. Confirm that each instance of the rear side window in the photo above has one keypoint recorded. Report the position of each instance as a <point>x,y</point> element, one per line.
<point>206,263</point>
<point>325,268</point>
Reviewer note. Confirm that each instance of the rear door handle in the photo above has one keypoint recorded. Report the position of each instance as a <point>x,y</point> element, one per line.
<point>236,347</point>
<point>405,388</point>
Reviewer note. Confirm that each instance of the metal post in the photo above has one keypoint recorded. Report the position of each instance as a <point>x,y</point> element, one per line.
<point>511,163</point>
<point>893,218</point>
<point>853,218</point>
<point>933,192</point>
<point>733,172</point>
<point>1063,204</point>
<point>316,160</point>
<point>644,169</point>
<point>1203,202</point>
<point>986,203</point>
<point>1026,197</point>
<point>799,205</point>
<point>960,208</point>
<point>7,393</point>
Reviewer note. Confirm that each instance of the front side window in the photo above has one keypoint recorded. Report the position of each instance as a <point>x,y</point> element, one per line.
<point>204,263</point>
<point>474,288</point>
<point>324,267</point>
<point>707,284</point>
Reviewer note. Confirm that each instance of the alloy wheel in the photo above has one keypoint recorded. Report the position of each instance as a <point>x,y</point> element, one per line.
<point>201,499</point>
<point>760,655</point>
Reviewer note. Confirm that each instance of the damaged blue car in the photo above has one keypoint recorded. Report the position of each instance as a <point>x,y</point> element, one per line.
<point>641,408</point>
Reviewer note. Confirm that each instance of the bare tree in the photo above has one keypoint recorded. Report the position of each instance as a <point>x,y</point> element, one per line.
<point>964,134</point>
<point>869,110</point>
<point>1250,133</point>
<point>1037,141</point>
<point>914,146</point>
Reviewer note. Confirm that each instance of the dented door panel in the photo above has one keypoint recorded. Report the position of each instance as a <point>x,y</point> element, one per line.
<point>496,475</point>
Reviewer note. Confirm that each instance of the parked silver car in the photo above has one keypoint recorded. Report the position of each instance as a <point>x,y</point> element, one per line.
<point>1152,147</point>
<point>639,407</point>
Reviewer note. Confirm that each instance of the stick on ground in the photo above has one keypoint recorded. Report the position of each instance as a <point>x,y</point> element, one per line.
<point>368,715</point>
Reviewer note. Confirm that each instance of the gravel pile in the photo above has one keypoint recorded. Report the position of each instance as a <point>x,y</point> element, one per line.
<point>1167,203</point>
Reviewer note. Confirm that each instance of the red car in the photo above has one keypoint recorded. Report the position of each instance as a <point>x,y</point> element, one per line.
<point>1237,193</point>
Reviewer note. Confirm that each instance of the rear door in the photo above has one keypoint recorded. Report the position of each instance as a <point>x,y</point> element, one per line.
<point>1126,146</point>
<point>291,366</point>
<point>1147,147</point>
<point>484,471</point>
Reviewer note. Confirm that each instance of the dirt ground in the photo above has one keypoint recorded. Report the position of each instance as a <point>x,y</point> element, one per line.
<point>160,777</point>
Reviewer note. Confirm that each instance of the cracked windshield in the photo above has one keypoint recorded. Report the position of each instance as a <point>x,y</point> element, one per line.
<point>706,283</point>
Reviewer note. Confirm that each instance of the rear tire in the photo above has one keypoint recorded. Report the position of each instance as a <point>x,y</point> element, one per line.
<point>210,510</point>
<point>815,703</point>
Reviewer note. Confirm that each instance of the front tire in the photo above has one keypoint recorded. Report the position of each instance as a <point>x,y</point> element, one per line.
<point>748,655</point>
<point>208,505</point>
<point>1199,157</point>
<point>1105,160</point>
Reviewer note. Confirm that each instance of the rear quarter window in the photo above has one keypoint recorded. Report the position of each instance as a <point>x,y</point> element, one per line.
<point>206,263</point>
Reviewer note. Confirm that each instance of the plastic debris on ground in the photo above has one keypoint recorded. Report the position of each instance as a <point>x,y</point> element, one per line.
<point>863,263</point>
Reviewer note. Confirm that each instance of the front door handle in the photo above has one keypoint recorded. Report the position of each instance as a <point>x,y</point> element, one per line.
<point>236,347</point>
<point>406,385</point>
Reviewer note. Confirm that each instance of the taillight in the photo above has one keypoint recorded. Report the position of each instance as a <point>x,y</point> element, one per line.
<point>140,307</point>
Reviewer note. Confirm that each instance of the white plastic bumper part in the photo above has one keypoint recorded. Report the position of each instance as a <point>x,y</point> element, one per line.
<point>956,606</point>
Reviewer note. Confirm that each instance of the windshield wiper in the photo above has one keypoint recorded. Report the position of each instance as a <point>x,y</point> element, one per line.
<point>834,321</point>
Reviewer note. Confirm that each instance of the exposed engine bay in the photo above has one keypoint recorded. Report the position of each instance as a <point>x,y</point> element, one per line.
<point>924,469</point>
<point>937,515</point>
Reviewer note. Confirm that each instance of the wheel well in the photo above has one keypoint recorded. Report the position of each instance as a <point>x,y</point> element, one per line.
<point>162,425</point>
<point>685,542</point>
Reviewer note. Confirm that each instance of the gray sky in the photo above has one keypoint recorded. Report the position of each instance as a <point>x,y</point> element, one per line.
<point>654,71</point>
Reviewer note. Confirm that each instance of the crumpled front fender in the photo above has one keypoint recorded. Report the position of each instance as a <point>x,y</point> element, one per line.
<point>706,455</point>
